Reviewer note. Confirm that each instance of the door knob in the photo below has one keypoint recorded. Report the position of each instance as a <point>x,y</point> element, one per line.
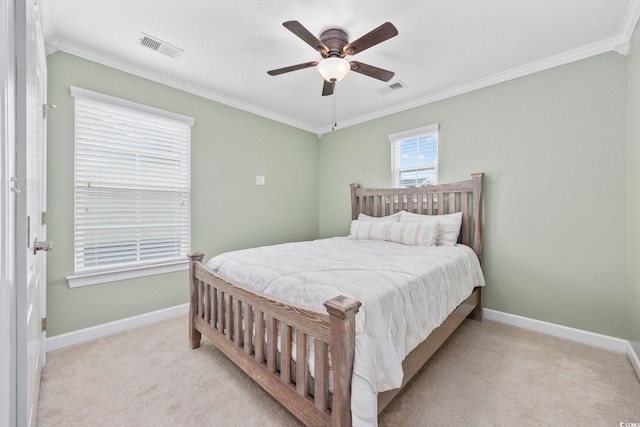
<point>46,246</point>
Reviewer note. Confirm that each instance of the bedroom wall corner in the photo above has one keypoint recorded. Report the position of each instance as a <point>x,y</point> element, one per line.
<point>553,147</point>
<point>229,211</point>
<point>633,172</point>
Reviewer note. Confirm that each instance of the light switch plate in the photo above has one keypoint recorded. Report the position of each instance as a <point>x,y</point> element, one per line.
<point>259,180</point>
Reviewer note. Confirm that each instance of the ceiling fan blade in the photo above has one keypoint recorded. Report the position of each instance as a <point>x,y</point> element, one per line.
<point>372,38</point>
<point>371,71</point>
<point>292,68</point>
<point>299,30</point>
<point>327,88</point>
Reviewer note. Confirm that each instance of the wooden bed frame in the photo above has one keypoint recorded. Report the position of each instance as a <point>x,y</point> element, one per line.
<point>228,315</point>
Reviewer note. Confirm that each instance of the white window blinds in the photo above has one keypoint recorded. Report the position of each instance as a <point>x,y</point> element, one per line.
<point>414,157</point>
<point>132,184</point>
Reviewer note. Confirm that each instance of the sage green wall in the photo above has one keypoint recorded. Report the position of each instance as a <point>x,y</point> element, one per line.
<point>553,147</point>
<point>633,221</point>
<point>229,148</point>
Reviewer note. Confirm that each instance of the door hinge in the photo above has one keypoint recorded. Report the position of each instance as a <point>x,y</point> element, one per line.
<point>14,183</point>
<point>45,109</point>
<point>44,218</point>
<point>44,324</point>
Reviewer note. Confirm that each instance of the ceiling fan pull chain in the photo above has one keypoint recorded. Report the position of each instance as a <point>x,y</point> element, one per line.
<point>335,120</point>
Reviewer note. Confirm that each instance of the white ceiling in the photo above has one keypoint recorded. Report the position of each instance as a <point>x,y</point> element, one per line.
<point>444,47</point>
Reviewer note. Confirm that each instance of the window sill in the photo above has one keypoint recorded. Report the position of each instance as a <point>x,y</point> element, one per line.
<point>86,279</point>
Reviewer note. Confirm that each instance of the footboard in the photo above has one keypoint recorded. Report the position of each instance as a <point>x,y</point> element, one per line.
<point>270,340</point>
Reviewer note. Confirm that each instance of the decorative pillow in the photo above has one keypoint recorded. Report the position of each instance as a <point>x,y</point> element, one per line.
<point>449,225</point>
<point>368,230</point>
<point>393,217</point>
<point>414,233</point>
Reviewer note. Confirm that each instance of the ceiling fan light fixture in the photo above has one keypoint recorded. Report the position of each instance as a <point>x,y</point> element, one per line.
<point>333,69</point>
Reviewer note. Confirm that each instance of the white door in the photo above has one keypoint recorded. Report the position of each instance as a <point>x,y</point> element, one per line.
<point>30,229</point>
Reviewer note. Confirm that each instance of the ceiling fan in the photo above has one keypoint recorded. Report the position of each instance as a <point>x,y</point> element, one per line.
<point>334,45</point>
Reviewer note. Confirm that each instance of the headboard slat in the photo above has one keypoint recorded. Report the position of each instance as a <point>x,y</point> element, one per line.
<point>464,207</point>
<point>452,202</point>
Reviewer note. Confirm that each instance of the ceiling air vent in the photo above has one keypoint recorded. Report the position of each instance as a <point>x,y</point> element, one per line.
<point>158,45</point>
<point>392,87</point>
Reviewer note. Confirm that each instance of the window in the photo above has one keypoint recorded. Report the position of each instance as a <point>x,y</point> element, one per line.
<point>414,157</point>
<point>132,189</point>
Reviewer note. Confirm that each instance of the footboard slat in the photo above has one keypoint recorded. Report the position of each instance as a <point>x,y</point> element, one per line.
<point>220,310</point>
<point>321,374</point>
<point>200,288</point>
<point>207,304</point>
<point>258,335</point>
<point>248,329</point>
<point>214,307</point>
<point>285,354</point>
<point>272,346</point>
<point>237,322</point>
<point>302,361</point>
<point>228,316</point>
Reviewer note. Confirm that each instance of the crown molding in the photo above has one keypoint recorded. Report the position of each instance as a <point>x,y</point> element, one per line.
<point>76,50</point>
<point>623,39</point>
<point>533,67</point>
<point>616,43</point>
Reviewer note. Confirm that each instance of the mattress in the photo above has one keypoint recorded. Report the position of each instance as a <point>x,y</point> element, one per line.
<point>406,292</point>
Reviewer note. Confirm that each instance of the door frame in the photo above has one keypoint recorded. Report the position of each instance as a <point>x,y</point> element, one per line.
<point>7,215</point>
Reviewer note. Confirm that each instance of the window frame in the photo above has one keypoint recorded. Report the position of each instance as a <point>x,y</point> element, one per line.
<point>89,275</point>
<point>399,138</point>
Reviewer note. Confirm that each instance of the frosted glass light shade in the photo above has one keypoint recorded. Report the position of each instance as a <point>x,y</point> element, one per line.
<point>333,69</point>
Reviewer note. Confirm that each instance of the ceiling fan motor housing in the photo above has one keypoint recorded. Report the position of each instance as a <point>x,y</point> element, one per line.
<point>335,39</point>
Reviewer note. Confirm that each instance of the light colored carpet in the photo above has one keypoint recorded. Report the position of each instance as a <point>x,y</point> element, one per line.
<point>487,374</point>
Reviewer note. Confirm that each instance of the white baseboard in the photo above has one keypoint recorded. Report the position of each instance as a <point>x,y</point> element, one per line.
<point>585,337</point>
<point>94,332</point>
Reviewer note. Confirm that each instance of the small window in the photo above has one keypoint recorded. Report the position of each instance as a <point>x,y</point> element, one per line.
<point>132,189</point>
<point>414,157</point>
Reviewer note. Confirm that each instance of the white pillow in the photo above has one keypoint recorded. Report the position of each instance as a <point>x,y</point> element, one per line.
<point>414,233</point>
<point>369,230</point>
<point>449,225</point>
<point>393,217</point>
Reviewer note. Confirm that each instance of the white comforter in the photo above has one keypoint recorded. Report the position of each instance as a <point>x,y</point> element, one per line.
<point>406,292</point>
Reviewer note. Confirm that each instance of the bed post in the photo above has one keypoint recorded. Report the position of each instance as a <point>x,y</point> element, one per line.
<point>342,323</point>
<point>477,213</point>
<point>354,201</point>
<point>194,334</point>
<point>477,235</point>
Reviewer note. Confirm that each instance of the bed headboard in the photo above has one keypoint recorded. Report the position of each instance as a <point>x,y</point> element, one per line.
<point>464,196</point>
